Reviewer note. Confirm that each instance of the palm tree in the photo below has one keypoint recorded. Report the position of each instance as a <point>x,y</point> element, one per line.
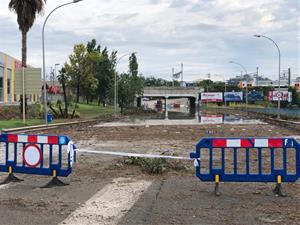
<point>26,11</point>
<point>63,79</point>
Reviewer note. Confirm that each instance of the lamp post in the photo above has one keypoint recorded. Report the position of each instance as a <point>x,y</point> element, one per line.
<point>116,83</point>
<point>246,73</point>
<point>55,65</point>
<point>43,49</point>
<point>224,84</point>
<point>279,61</point>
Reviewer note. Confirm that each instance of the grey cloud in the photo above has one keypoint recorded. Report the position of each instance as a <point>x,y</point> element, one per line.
<point>178,3</point>
<point>125,17</point>
<point>203,46</point>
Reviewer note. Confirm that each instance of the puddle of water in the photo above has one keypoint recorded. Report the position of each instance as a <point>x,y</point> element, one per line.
<point>182,119</point>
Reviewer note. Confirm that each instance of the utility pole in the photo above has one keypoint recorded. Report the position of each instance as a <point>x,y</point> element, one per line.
<point>247,80</point>
<point>256,76</point>
<point>208,75</point>
<point>182,74</point>
<point>289,77</point>
<point>173,76</point>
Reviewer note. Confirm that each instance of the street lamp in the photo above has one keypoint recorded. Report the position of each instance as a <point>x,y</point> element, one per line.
<point>116,83</point>
<point>279,61</point>
<point>43,49</point>
<point>246,73</point>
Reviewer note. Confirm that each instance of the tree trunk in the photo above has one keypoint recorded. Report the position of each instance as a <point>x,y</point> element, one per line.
<point>65,99</point>
<point>54,111</point>
<point>61,112</point>
<point>99,101</point>
<point>77,94</point>
<point>24,49</point>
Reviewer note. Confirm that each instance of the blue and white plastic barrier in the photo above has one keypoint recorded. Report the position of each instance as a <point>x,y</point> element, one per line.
<point>37,154</point>
<point>218,152</point>
<point>54,156</point>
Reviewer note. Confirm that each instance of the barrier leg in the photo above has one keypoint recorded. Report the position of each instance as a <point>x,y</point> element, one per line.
<point>55,182</point>
<point>278,189</point>
<point>217,181</point>
<point>11,177</point>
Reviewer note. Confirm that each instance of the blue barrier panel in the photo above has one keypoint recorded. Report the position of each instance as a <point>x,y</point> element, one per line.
<point>36,154</point>
<point>247,160</point>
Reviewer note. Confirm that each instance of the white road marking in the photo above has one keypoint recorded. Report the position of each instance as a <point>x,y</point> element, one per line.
<point>110,204</point>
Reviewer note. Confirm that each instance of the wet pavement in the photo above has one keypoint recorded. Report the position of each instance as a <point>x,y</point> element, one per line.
<point>184,119</point>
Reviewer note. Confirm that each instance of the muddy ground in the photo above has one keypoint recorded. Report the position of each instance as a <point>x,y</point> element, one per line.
<point>105,190</point>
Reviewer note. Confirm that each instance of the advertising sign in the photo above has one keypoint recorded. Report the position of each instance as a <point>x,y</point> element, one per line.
<point>233,96</point>
<point>254,96</point>
<point>282,95</point>
<point>212,97</point>
<point>212,119</point>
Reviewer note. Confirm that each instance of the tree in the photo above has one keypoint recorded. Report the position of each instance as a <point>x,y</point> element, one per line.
<point>93,47</point>
<point>26,11</point>
<point>206,84</point>
<point>124,91</point>
<point>133,65</point>
<point>91,72</point>
<point>105,75</point>
<point>158,82</point>
<point>75,68</point>
<point>130,85</point>
<point>63,79</point>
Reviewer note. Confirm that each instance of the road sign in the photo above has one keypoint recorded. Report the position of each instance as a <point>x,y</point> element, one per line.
<point>279,95</point>
<point>32,155</point>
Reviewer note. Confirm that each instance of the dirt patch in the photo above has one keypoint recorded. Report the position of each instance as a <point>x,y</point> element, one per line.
<point>173,197</point>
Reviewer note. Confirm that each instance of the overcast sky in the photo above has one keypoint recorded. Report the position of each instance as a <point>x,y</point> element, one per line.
<point>204,35</point>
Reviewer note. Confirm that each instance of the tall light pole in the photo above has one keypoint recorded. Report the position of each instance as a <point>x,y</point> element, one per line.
<point>246,73</point>
<point>116,83</point>
<point>55,65</point>
<point>43,49</point>
<point>279,61</point>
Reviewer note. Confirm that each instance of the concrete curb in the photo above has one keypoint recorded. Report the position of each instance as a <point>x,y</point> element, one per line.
<point>50,126</point>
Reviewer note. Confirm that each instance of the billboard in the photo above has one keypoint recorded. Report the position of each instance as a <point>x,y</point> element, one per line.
<point>212,97</point>
<point>233,96</point>
<point>254,96</point>
<point>282,95</point>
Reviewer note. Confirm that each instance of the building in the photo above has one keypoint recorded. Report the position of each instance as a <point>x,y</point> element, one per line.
<point>297,84</point>
<point>259,81</point>
<point>11,82</point>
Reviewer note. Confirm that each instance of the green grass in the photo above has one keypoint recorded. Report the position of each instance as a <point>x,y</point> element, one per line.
<point>19,123</point>
<point>93,110</point>
<point>86,112</point>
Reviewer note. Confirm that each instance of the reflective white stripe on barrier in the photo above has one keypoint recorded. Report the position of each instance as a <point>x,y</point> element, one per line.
<point>133,154</point>
<point>71,152</point>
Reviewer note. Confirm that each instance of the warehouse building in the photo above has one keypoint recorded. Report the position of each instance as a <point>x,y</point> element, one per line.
<point>11,82</point>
